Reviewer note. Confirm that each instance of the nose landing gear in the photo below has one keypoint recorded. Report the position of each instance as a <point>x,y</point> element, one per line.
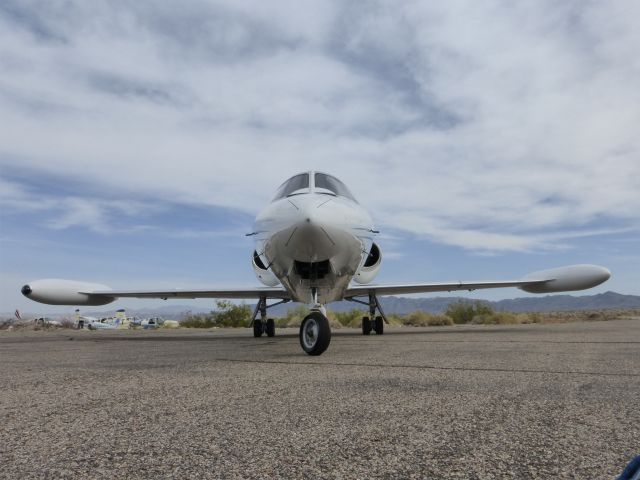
<point>315,333</point>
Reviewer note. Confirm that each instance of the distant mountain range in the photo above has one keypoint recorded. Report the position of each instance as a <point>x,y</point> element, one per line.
<point>404,305</point>
<point>548,303</point>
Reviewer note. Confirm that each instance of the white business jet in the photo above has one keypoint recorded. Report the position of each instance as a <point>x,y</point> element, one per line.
<point>315,245</point>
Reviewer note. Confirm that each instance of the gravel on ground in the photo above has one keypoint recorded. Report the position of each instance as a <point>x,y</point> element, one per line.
<point>462,402</point>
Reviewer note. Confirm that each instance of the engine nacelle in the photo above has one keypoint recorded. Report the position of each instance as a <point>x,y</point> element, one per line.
<point>567,279</point>
<point>66,292</point>
<point>371,266</point>
<point>265,275</point>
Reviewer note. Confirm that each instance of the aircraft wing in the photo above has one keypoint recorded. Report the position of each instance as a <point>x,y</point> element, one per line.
<point>55,291</point>
<point>356,291</point>
<point>69,292</point>
<point>238,293</point>
<point>563,279</point>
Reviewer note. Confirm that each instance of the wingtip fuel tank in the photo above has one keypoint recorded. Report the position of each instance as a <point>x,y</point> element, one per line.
<point>53,291</point>
<point>567,279</point>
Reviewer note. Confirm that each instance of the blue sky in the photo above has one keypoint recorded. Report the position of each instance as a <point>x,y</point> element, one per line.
<point>488,139</point>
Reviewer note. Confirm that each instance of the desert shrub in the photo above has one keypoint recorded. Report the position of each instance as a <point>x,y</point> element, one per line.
<point>334,323</point>
<point>67,323</point>
<point>40,324</point>
<point>535,317</point>
<point>5,323</point>
<point>228,314</point>
<point>527,318</point>
<point>439,320</point>
<point>424,319</point>
<point>281,322</point>
<point>294,317</point>
<point>497,318</point>
<point>395,319</point>
<point>416,319</point>
<point>601,315</point>
<point>463,311</point>
<point>352,318</point>
<point>198,321</point>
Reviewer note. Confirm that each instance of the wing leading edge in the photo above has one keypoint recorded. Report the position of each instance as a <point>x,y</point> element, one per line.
<point>563,279</point>
<point>55,291</point>
<point>240,293</point>
<point>357,291</point>
<point>69,292</point>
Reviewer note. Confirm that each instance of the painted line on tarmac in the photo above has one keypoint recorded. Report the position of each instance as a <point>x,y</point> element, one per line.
<point>561,342</point>
<point>432,367</point>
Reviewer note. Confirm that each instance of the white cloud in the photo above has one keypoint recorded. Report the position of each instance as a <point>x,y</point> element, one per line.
<point>485,125</point>
<point>97,214</point>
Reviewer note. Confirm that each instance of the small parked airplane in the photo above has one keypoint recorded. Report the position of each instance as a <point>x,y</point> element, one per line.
<point>312,241</point>
<point>84,321</point>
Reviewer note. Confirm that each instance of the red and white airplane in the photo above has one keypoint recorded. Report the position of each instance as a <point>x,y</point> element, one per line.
<point>315,245</point>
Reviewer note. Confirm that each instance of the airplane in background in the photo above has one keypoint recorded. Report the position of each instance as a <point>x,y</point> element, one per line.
<point>158,322</point>
<point>84,321</point>
<point>121,322</point>
<point>314,244</point>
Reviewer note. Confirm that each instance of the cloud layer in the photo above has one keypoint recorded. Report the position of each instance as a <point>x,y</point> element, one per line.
<point>485,125</point>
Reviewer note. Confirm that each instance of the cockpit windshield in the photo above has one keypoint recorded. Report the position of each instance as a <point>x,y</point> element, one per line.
<point>293,186</point>
<point>332,186</point>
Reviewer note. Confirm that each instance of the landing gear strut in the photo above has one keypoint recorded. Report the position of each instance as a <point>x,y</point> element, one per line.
<point>264,324</point>
<point>372,322</point>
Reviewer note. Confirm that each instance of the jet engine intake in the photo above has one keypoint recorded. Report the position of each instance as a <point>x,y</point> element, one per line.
<point>369,269</point>
<point>265,275</point>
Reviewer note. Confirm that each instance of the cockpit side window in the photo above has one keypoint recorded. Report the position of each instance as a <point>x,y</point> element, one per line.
<point>331,185</point>
<point>292,186</point>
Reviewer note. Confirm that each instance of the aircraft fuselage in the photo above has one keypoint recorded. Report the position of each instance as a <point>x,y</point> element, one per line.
<point>314,241</point>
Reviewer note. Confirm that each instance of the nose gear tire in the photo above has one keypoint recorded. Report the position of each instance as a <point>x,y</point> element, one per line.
<point>315,333</point>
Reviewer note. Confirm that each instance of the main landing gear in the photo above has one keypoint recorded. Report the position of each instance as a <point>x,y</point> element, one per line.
<point>264,324</point>
<point>260,327</point>
<point>377,325</point>
<point>372,322</point>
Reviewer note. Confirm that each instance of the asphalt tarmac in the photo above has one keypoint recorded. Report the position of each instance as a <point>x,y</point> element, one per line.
<point>468,402</point>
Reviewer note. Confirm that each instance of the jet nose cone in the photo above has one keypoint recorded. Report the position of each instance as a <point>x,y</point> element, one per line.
<point>316,211</point>
<point>26,290</point>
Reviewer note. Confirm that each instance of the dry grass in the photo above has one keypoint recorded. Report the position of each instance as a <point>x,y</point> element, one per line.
<point>353,319</point>
<point>12,324</point>
<point>584,316</point>
<point>424,319</point>
<point>508,318</point>
<point>497,318</point>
